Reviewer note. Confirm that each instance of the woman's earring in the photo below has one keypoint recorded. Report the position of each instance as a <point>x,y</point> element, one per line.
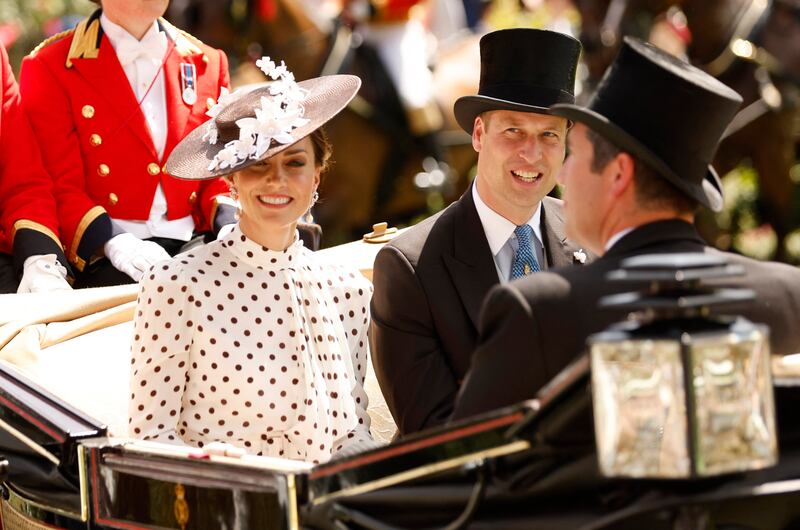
<point>314,199</point>
<point>234,194</point>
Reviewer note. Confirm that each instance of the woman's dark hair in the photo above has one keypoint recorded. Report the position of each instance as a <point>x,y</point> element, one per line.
<point>323,150</point>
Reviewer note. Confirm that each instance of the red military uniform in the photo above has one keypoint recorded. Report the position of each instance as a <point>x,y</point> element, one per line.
<point>28,221</point>
<point>95,139</point>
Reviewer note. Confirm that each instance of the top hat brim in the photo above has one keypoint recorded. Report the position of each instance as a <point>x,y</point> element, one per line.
<point>467,108</point>
<point>327,96</point>
<point>708,192</point>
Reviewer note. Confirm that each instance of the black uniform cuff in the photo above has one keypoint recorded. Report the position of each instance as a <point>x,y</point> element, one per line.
<point>29,242</point>
<point>96,234</point>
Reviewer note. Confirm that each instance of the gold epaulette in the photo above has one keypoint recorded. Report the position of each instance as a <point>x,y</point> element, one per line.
<point>191,37</point>
<point>191,43</point>
<point>185,43</point>
<point>50,40</point>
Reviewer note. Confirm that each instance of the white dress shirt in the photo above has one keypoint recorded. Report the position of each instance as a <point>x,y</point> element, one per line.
<point>500,235</point>
<point>142,62</point>
<point>616,237</point>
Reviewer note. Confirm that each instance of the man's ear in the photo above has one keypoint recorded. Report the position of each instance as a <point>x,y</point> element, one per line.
<point>477,134</point>
<point>623,168</point>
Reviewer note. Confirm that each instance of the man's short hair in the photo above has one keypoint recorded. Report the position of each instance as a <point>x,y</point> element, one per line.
<point>651,188</point>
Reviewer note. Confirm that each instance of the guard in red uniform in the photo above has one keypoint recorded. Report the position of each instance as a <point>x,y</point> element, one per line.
<point>108,101</point>
<point>29,245</point>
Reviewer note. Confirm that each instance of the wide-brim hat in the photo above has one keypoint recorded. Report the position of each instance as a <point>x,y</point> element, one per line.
<point>326,97</point>
<point>525,70</point>
<point>666,112</point>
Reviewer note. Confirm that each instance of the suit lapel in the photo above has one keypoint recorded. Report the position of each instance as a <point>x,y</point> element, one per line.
<point>105,75</point>
<point>558,250</point>
<point>471,266</point>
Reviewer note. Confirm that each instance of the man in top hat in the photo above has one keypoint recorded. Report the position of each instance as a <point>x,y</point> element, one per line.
<point>31,257</point>
<point>430,281</point>
<point>637,172</point>
<point>108,101</point>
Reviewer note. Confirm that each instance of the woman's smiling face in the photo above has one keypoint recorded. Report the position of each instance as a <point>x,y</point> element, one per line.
<point>275,192</point>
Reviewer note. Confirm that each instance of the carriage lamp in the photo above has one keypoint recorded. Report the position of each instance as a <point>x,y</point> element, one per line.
<point>677,392</point>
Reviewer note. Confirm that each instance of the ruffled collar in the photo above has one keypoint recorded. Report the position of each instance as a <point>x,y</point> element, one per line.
<point>261,257</point>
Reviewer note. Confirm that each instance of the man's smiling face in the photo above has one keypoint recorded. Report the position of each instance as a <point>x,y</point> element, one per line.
<point>519,156</point>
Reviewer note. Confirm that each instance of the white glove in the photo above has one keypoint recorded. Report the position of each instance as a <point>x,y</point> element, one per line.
<point>225,230</point>
<point>133,256</point>
<point>42,273</point>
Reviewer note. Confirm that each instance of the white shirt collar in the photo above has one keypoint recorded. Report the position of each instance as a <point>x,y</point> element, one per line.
<point>616,237</point>
<point>117,34</point>
<point>498,229</point>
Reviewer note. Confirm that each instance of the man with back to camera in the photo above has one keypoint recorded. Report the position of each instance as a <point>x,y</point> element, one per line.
<point>430,281</point>
<point>638,170</point>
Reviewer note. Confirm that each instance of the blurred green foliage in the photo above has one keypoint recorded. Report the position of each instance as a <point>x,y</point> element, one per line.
<point>741,226</point>
<point>25,23</point>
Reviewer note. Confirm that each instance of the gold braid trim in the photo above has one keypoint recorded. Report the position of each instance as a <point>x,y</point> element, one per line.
<point>84,42</point>
<point>87,219</point>
<point>50,40</point>
<point>185,43</point>
<point>32,225</point>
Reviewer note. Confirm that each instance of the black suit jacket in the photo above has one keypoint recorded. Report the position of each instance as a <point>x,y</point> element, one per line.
<point>534,327</point>
<point>429,286</point>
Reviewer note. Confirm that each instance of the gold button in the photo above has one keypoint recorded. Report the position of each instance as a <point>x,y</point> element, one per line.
<point>103,170</point>
<point>192,197</point>
<point>153,168</point>
<point>113,199</point>
<point>87,111</point>
<point>95,140</point>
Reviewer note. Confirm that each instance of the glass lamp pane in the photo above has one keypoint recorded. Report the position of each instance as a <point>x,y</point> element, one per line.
<point>639,404</point>
<point>734,406</point>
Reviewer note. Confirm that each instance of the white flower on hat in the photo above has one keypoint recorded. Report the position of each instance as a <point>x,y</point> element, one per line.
<point>226,97</point>
<point>273,121</point>
<point>266,65</point>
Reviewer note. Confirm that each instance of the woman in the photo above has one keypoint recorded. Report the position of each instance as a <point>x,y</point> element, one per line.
<point>251,340</point>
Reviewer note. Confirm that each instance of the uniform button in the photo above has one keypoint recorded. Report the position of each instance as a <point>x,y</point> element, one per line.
<point>153,168</point>
<point>103,170</point>
<point>193,197</point>
<point>87,111</point>
<point>95,140</point>
<point>113,199</point>
<point>205,59</point>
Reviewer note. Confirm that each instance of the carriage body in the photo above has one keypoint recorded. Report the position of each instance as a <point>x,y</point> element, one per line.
<point>529,465</point>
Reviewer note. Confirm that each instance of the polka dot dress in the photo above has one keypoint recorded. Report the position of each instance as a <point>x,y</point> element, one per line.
<point>262,349</point>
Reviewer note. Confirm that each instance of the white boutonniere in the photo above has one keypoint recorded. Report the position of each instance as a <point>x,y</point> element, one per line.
<point>579,256</point>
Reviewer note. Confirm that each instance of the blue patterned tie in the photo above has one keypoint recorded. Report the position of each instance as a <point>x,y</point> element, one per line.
<point>525,261</point>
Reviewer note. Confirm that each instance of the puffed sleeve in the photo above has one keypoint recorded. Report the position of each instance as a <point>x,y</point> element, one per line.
<point>163,330</point>
<point>355,309</point>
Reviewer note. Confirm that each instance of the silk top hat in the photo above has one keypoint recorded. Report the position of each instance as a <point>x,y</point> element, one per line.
<point>665,111</point>
<point>526,70</point>
<point>259,121</point>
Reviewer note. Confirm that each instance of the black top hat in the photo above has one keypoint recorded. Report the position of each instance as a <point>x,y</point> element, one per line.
<point>527,70</point>
<point>665,111</point>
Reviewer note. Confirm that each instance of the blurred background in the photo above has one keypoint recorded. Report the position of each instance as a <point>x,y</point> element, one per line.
<point>399,155</point>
